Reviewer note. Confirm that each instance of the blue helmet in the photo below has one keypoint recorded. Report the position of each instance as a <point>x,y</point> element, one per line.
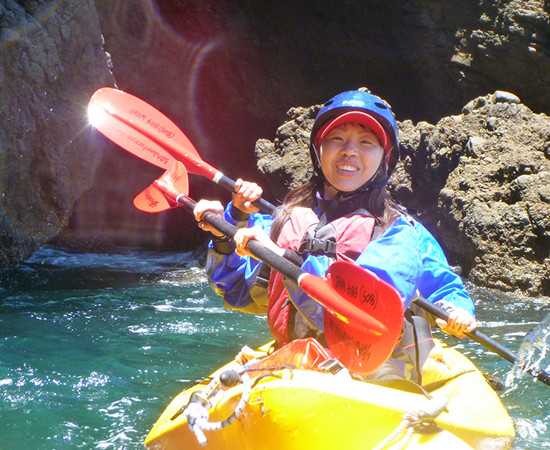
<point>356,106</point>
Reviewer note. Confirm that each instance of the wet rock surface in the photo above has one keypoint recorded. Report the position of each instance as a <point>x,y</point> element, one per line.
<point>226,73</point>
<point>51,61</point>
<point>478,180</point>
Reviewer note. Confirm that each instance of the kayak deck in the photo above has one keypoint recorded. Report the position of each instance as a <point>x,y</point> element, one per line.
<point>297,409</point>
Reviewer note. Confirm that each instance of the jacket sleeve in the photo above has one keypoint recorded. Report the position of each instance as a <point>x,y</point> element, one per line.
<point>406,256</point>
<point>395,257</point>
<point>438,282</point>
<point>234,277</point>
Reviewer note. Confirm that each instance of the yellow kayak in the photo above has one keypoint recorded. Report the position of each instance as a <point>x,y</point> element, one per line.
<point>273,406</point>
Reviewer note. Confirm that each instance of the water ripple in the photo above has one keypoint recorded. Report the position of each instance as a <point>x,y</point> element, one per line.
<point>93,347</point>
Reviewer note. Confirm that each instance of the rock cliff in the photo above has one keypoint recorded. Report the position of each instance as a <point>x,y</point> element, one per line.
<point>51,61</point>
<point>478,180</point>
<point>227,72</point>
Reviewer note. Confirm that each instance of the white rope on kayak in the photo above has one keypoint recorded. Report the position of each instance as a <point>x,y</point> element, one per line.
<point>421,418</point>
<point>197,408</point>
<point>211,426</point>
<point>405,424</point>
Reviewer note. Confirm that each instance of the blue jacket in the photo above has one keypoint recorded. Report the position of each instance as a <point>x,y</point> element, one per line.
<point>406,255</point>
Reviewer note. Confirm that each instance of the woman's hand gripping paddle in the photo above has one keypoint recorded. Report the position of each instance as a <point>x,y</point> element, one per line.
<point>484,340</point>
<point>144,131</point>
<point>363,314</point>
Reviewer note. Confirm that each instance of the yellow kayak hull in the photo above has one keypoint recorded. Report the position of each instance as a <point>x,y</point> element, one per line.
<point>304,409</point>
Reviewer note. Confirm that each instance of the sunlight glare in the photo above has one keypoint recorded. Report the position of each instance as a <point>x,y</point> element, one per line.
<point>97,114</point>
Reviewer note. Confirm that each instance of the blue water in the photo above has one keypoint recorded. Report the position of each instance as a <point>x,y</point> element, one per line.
<point>93,347</point>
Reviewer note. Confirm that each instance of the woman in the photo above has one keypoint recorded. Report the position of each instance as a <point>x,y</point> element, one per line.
<point>342,212</point>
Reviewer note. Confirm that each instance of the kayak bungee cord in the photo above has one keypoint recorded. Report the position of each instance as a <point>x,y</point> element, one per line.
<point>200,403</point>
<point>197,410</point>
<point>421,421</point>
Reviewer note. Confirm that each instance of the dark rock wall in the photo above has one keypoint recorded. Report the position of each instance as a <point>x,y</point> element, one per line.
<point>51,61</point>
<point>477,180</point>
<point>452,52</point>
<point>227,72</point>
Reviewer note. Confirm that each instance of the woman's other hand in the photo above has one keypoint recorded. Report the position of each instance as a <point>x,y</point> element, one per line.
<point>244,235</point>
<point>460,322</point>
<point>207,205</point>
<point>245,193</point>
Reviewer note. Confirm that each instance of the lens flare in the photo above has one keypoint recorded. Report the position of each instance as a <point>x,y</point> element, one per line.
<point>96,114</point>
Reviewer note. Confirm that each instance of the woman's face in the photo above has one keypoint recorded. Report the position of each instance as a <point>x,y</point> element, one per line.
<point>350,156</point>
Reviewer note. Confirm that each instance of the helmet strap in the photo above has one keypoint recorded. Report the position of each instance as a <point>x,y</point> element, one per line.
<point>317,162</point>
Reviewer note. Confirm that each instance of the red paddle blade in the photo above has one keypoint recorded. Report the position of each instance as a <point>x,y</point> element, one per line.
<point>338,304</point>
<point>162,194</point>
<point>360,349</point>
<point>153,200</point>
<point>143,130</point>
<point>105,114</point>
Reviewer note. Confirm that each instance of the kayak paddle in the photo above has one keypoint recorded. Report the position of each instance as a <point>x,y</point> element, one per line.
<point>484,340</point>
<point>144,131</point>
<point>363,315</point>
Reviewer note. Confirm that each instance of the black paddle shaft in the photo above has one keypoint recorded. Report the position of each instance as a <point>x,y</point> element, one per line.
<point>280,264</point>
<point>484,340</point>
<point>289,270</point>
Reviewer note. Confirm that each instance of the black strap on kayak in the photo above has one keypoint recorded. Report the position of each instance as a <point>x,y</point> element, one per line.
<point>413,349</point>
<point>402,385</point>
<point>418,368</point>
<point>415,388</point>
<point>430,387</point>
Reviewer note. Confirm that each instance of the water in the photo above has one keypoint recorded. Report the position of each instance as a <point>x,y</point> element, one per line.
<point>93,347</point>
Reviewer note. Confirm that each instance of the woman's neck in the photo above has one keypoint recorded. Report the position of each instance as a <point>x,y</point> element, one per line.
<point>329,192</point>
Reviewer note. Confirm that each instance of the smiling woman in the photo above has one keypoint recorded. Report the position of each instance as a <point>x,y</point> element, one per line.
<point>343,212</point>
<point>350,156</point>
